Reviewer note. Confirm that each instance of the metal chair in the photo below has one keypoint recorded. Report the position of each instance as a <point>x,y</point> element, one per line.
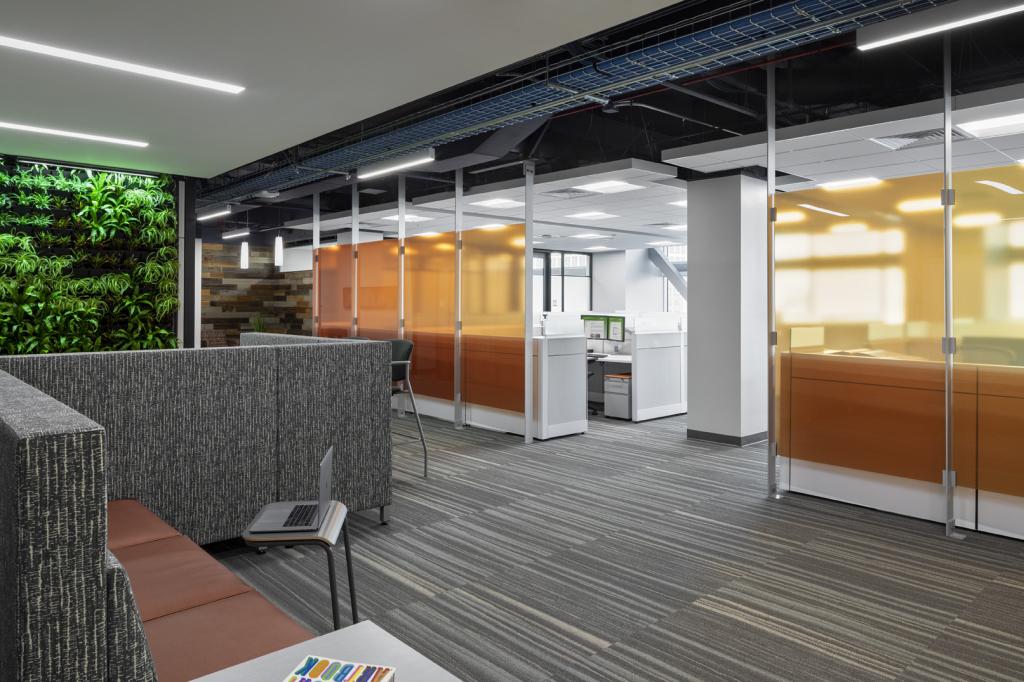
<point>401,367</point>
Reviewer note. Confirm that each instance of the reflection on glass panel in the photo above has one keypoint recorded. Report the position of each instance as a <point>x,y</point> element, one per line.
<point>493,272</point>
<point>577,294</point>
<point>430,312</point>
<point>378,289</point>
<point>858,285</point>
<point>333,278</point>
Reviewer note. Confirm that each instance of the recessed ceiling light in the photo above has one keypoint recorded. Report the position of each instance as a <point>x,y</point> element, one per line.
<point>70,133</point>
<point>608,187</point>
<point>217,214</point>
<point>819,209</point>
<point>236,234</point>
<point>409,218</point>
<point>592,215</point>
<point>849,184</point>
<point>675,228</point>
<point>919,205</point>
<point>1000,186</point>
<point>784,217</point>
<point>682,204</point>
<point>943,26</point>
<point>590,235</point>
<point>498,202</point>
<point>598,248</point>
<point>994,127</point>
<point>426,234</point>
<point>661,243</point>
<point>538,242</point>
<point>491,226</point>
<point>118,65</point>
<point>977,219</point>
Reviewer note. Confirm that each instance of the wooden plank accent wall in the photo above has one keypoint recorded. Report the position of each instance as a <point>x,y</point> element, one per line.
<point>232,296</point>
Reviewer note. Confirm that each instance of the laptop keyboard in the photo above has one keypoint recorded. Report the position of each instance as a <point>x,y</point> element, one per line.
<point>301,515</point>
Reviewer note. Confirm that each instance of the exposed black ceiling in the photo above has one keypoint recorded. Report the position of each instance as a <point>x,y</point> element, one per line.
<point>822,81</point>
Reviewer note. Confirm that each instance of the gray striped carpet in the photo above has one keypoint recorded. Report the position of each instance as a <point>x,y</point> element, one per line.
<point>631,553</point>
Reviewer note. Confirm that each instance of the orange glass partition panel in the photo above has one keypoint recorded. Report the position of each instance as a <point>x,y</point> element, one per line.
<point>378,289</point>
<point>493,306</point>
<point>430,312</point>
<point>334,290</point>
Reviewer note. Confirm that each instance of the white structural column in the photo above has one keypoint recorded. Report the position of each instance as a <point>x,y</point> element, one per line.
<point>460,416</point>
<point>355,259</point>
<point>727,310</point>
<point>528,175</point>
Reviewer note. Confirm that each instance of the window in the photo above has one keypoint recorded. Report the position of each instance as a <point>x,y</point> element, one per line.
<point>567,285</point>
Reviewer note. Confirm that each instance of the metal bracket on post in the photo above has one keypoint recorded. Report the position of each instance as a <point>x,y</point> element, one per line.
<point>773,338</point>
<point>947,197</point>
<point>949,345</point>
<point>773,214</point>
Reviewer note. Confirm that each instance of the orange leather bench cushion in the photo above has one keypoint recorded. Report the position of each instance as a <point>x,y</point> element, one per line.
<point>199,618</point>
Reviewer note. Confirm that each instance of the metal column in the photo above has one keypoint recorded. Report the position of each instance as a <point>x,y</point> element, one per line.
<point>190,276</point>
<point>401,256</point>
<point>773,337</point>
<point>528,173</point>
<point>355,259</point>
<point>459,417</point>
<point>316,269</point>
<point>948,341</point>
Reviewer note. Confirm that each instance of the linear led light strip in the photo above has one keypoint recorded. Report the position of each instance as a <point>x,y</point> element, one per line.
<point>70,133</point>
<point>118,65</point>
<point>947,26</point>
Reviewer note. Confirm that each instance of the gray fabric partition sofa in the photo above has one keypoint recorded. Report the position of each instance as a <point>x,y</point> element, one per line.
<point>203,438</point>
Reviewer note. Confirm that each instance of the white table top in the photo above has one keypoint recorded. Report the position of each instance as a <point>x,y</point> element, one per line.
<point>363,642</point>
<point>618,359</point>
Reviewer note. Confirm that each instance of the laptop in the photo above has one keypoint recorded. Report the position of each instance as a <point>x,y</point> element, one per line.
<point>293,517</point>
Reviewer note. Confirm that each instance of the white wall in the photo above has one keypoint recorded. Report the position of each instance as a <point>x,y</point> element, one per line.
<point>608,276</point>
<point>727,306</point>
<point>626,280</point>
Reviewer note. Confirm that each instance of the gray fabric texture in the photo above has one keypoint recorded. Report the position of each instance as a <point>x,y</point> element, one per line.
<point>53,529</point>
<point>335,394</point>
<point>128,655</point>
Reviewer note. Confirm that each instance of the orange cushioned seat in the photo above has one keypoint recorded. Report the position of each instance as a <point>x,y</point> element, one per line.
<point>130,523</point>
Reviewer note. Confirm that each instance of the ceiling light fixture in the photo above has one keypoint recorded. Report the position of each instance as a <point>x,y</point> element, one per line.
<point>682,204</point>
<point>819,209</point>
<point>592,215</point>
<point>977,219</point>
<point>409,218</point>
<point>608,187</point>
<point>278,251</point>
<point>537,242</point>
<point>942,19</point>
<point>785,217</point>
<point>118,65</point>
<point>994,127</point>
<point>661,243</point>
<point>492,226</point>
<point>849,184</point>
<point>427,234</point>
<point>1002,187</point>
<point>243,256</point>
<point>675,228</point>
<point>919,205</point>
<point>847,228</point>
<point>590,235</point>
<point>498,202</point>
<point>598,248</point>
<point>21,127</point>
<point>215,214</point>
<point>417,159</point>
<point>244,232</point>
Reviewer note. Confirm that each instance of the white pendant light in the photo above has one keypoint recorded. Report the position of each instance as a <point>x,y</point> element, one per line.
<point>243,261</point>
<point>278,251</point>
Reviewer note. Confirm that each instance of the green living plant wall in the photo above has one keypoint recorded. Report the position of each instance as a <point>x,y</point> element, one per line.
<point>87,261</point>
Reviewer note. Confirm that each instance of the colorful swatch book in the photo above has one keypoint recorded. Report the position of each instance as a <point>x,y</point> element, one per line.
<point>322,669</point>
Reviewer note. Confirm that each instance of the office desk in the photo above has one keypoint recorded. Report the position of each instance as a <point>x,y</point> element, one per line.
<point>617,359</point>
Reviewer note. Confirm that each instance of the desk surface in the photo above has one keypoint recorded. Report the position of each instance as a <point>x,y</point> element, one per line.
<point>363,642</point>
<point>617,359</point>
<point>327,534</point>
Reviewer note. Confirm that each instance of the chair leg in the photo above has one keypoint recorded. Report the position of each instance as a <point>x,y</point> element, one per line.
<point>416,412</point>
<point>351,580</point>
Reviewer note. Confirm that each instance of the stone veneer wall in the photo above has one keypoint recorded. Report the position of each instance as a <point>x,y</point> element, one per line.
<point>232,296</point>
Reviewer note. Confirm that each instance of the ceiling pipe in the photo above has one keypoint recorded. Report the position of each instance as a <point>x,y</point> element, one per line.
<point>613,108</point>
<point>718,101</point>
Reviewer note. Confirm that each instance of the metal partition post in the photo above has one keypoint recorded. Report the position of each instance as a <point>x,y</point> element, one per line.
<point>316,270</point>
<point>401,256</point>
<point>528,173</point>
<point>948,341</point>
<point>355,259</point>
<point>459,417</point>
<point>773,337</point>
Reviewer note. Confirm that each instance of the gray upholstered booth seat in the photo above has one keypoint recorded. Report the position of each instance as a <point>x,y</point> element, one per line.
<point>204,438</point>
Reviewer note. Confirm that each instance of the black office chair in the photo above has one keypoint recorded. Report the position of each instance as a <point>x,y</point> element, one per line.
<point>401,367</point>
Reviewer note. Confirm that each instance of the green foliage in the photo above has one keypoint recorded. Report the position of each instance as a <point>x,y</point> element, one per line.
<point>87,261</point>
